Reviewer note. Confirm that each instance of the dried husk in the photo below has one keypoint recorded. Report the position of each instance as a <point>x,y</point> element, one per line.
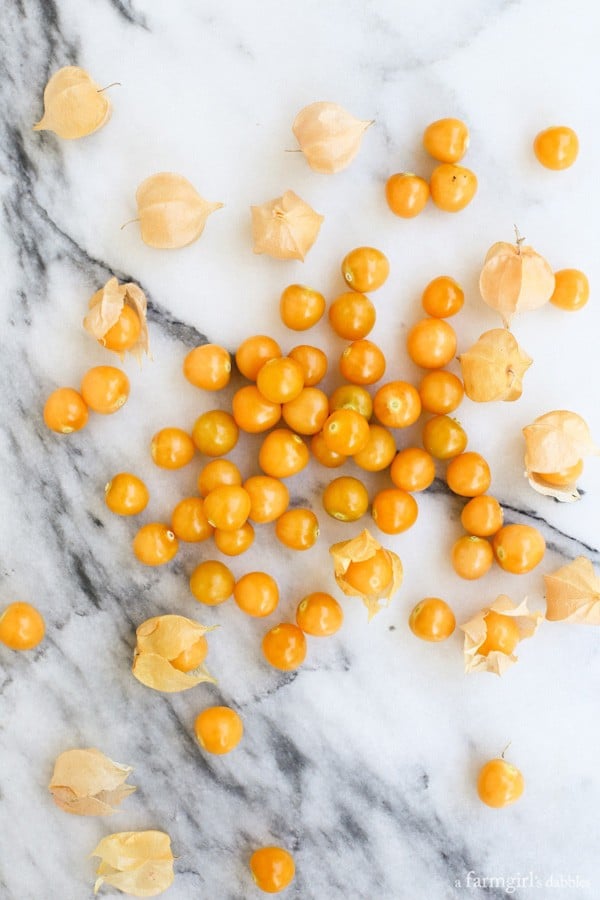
<point>106,306</point>
<point>360,549</point>
<point>555,441</point>
<point>285,228</point>
<point>493,368</point>
<point>88,783</point>
<point>329,136</point>
<point>160,640</point>
<point>171,212</point>
<point>139,863</point>
<point>515,279</point>
<point>74,105</point>
<point>475,634</point>
<point>573,593</point>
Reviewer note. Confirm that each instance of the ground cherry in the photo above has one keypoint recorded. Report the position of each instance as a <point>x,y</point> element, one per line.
<point>65,411</point>
<point>172,448</point>
<point>124,333</point>
<point>233,543</point>
<point>252,411</point>
<point>189,522</point>
<point>446,140</point>
<point>502,634</point>
<point>365,269</point>
<point>155,544</point>
<point>452,187</point>
<point>468,475</point>
<point>443,297</point>
<point>284,647</point>
<point>518,548</point>
<point>378,452</point>
<point>272,869</point>
<point>499,783</point>
<point>346,499</point>
<point>362,362</point>
<point>352,396</point>
<point>227,507</point>
<point>301,307</point>
<point>471,557</point>
<point>269,498</point>
<point>431,343</point>
<point>346,432</point>
<point>319,614</point>
<point>126,494</point>
<point>412,469</point>
<point>565,476</point>
<point>215,433</point>
<point>441,392</point>
<point>444,437</point>
<point>254,352</point>
<point>556,147</point>
<point>324,455</point>
<point>394,510</point>
<point>218,729</point>
<point>352,316</point>
<point>397,404</point>
<point>208,367</point>
<point>482,516</point>
<point>306,414</point>
<point>571,289</point>
<point>21,626</point>
<point>105,389</point>
<point>283,453</point>
<point>217,472</point>
<point>297,528</point>
<point>194,656</point>
<point>212,582</point>
<point>371,576</point>
<point>312,361</point>
<point>432,620</point>
<point>406,194</point>
<point>280,380</point>
<point>257,594</point>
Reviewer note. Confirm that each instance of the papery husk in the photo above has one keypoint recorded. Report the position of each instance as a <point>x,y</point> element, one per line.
<point>74,105</point>
<point>555,441</point>
<point>360,549</point>
<point>493,368</point>
<point>329,136</point>
<point>476,632</point>
<point>106,306</point>
<point>139,863</point>
<point>160,640</point>
<point>515,279</point>
<point>285,227</point>
<point>171,212</point>
<point>88,783</point>
<point>573,593</point>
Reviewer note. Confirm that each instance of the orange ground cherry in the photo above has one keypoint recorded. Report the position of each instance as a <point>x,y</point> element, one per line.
<point>269,498</point>
<point>502,634</point>
<point>518,548</point>
<point>208,367</point>
<point>155,544</point>
<point>444,437</point>
<point>105,389</point>
<point>352,316</point>
<point>352,396</point>
<point>212,582</point>
<point>431,343</point>
<point>272,869</point>
<point>218,729</point>
<point>468,475</point>
<point>373,575</point>
<point>471,557</point>
<point>499,783</point>
<point>233,543</point>
<point>215,433</point>
<point>172,448</point>
<point>313,362</point>
<point>346,499</point>
<point>452,187</point>
<point>441,392</point>
<point>362,362</point>
<point>284,646</point>
<point>412,469</point>
<point>21,626</point>
<point>482,516</point>
<point>301,307</point>
<point>571,290</point>
<point>189,522</point>
<point>306,414</point>
<point>443,297</point>
<point>346,431</point>
<point>194,656</point>
<point>65,411</point>
<point>217,472</point>
<point>323,454</point>
<point>556,147</point>
<point>394,510</point>
<point>254,352</point>
<point>365,269</point>
<point>319,614</point>
<point>252,411</point>
<point>283,453</point>
<point>565,476</point>
<point>257,594</point>
<point>397,404</point>
<point>378,452</point>
<point>126,494</point>
<point>227,507</point>
<point>280,380</point>
<point>446,140</point>
<point>124,333</point>
<point>297,528</point>
<point>432,620</point>
<point>406,194</point>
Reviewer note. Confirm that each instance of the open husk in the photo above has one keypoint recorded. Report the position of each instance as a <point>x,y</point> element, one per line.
<point>360,549</point>
<point>171,212</point>
<point>285,227</point>
<point>106,306</point>
<point>475,634</point>
<point>88,783</point>
<point>573,593</point>
<point>515,279</point>
<point>493,368</point>
<point>556,441</point>
<point>160,640</point>
<point>139,863</point>
<point>74,105</point>
<point>329,136</point>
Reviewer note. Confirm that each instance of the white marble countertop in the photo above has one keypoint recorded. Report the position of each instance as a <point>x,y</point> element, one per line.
<point>363,763</point>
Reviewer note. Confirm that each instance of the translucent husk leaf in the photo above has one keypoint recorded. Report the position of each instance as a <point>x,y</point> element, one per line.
<point>515,279</point>
<point>285,228</point>
<point>329,136</point>
<point>360,549</point>
<point>106,306</point>
<point>74,105</point>
<point>88,783</point>
<point>573,593</point>
<point>135,862</point>
<point>555,441</point>
<point>171,212</point>
<point>494,367</point>
<point>475,634</point>
<point>160,640</point>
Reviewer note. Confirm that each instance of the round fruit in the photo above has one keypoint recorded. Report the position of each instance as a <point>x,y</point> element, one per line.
<point>212,582</point>
<point>252,411</point>
<point>482,516</point>
<point>269,498</point>
<point>378,452</point>
<point>189,522</point>
<point>556,147</point>
<point>284,647</point>
<point>272,869</point>
<point>431,343</point>
<point>257,594</point>
<point>452,187</point>
<point>312,361</point>
<point>297,528</point>
<point>346,432</point>
<point>208,367</point>
<point>365,269</point>
<point>155,544</point>
<point>319,614</point>
<point>571,289</point>
<point>216,473</point>
<point>432,620</point>
<point>105,389</point>
<point>218,729</point>
<point>412,469</point>
<point>126,494</point>
<point>301,307</point>
<point>406,194</point>
<point>280,380</point>
<point>21,626</point>
<point>518,548</point>
<point>397,404</point>
<point>254,352</point>
<point>446,140</point>
<point>352,316</point>
<point>194,656</point>
<point>441,392</point>
<point>394,510</point>
<point>502,634</point>
<point>124,333</point>
<point>227,507</point>
<point>362,362</point>
<point>471,557</point>
<point>65,411</point>
<point>172,448</point>
<point>215,433</point>
<point>468,475</point>
<point>499,783</point>
<point>283,453</point>
<point>346,499</point>
<point>444,437</point>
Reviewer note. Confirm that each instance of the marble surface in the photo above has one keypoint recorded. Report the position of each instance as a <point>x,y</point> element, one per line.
<point>363,762</point>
